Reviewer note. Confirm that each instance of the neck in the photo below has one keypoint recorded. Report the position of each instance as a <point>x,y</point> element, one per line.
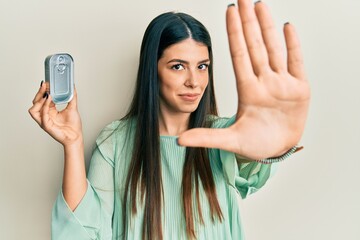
<point>172,124</point>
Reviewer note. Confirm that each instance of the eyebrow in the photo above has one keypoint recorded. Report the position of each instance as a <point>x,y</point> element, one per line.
<point>186,62</point>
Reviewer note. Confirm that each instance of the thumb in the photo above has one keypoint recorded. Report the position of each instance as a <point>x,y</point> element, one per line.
<point>73,103</point>
<point>209,138</point>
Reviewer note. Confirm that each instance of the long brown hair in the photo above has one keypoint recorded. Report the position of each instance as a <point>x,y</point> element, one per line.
<point>144,174</point>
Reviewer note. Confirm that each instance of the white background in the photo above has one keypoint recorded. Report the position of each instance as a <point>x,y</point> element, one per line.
<point>315,194</point>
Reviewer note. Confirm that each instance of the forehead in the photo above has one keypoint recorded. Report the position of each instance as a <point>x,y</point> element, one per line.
<point>187,49</point>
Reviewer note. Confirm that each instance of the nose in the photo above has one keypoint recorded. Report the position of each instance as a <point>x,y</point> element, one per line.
<point>191,79</point>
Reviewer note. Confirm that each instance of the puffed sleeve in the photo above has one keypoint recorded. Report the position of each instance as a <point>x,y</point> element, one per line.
<point>247,178</point>
<point>92,219</point>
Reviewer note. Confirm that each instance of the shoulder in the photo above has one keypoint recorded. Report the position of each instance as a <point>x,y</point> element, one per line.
<point>114,131</point>
<point>220,122</point>
<point>112,138</point>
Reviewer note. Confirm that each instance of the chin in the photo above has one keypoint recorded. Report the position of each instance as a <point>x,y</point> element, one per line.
<point>189,109</point>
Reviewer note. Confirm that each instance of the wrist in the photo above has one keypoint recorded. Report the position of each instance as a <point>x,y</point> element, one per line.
<point>282,157</point>
<point>274,159</point>
<point>74,145</point>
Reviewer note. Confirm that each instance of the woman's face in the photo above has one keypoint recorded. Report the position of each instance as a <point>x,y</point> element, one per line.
<point>183,75</point>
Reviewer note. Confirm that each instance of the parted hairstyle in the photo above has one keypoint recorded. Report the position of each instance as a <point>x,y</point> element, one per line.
<point>144,174</point>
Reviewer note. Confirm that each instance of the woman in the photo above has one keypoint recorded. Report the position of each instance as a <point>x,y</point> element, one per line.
<point>142,182</point>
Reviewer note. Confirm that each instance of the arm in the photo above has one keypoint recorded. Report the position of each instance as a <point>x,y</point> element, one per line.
<point>92,218</point>
<point>66,128</point>
<point>74,179</point>
<point>84,208</point>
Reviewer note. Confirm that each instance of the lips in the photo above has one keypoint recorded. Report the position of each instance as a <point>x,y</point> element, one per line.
<point>190,97</point>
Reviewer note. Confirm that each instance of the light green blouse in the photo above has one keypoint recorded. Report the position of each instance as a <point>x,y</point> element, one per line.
<point>99,214</point>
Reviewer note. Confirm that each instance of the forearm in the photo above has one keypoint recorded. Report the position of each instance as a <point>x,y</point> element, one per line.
<point>74,179</point>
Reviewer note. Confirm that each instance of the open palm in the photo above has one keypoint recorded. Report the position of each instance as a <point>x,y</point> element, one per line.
<point>273,93</point>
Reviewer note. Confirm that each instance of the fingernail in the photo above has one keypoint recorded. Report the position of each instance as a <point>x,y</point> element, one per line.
<point>299,148</point>
<point>41,83</point>
<point>286,23</point>
<point>46,95</point>
<point>257,2</point>
<point>231,5</point>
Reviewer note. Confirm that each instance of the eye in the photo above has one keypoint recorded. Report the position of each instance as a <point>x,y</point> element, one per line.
<point>177,67</point>
<point>203,66</point>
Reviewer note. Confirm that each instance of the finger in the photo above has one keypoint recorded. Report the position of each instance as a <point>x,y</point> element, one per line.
<point>52,105</point>
<point>271,38</point>
<point>73,103</point>
<point>45,118</point>
<point>40,93</point>
<point>35,110</point>
<point>238,49</point>
<point>253,36</point>
<point>295,60</point>
<point>209,138</point>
